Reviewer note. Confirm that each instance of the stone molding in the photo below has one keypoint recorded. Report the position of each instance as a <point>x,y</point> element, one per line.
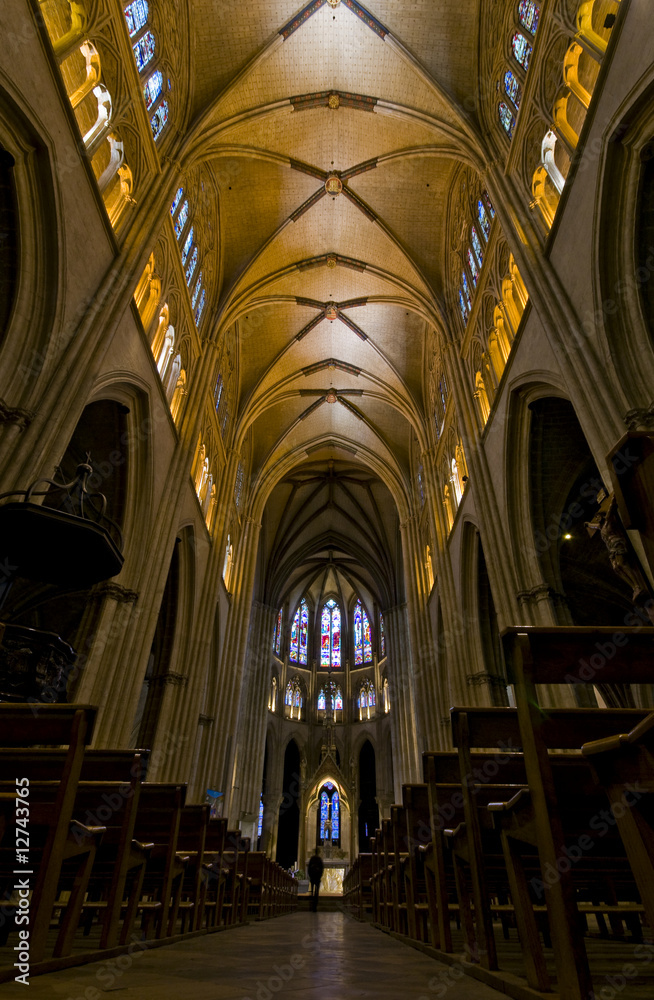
<point>115,592</point>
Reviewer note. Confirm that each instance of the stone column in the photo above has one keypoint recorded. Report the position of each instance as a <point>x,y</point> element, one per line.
<point>404,737</point>
<point>251,744</point>
<point>232,659</point>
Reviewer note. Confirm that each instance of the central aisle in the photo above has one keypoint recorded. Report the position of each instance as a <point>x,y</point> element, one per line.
<point>303,956</point>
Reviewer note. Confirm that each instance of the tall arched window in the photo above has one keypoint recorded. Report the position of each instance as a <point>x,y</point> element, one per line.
<point>293,699</point>
<point>337,697</point>
<point>529,15</point>
<point>521,50</point>
<point>238,486</point>
<point>507,118</point>
<point>512,88</point>
<point>330,635</point>
<point>484,221</point>
<point>382,636</point>
<point>387,697</point>
<point>277,637</point>
<point>366,700</point>
<point>362,636</point>
<point>272,701</point>
<point>300,634</point>
<point>330,813</point>
<point>144,48</point>
<point>190,256</point>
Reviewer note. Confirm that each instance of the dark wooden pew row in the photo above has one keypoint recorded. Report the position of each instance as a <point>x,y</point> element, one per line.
<point>158,823</point>
<point>552,656</point>
<point>357,886</point>
<point>55,836</point>
<point>108,792</point>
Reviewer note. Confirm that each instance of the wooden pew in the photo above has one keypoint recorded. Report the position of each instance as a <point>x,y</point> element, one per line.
<point>108,792</point>
<point>415,799</point>
<point>537,656</point>
<point>51,824</point>
<point>627,762</point>
<point>213,873</point>
<point>157,822</point>
<point>191,842</point>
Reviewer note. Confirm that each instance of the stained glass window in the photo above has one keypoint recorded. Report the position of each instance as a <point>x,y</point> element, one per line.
<point>299,634</point>
<point>278,633</point>
<point>198,286</point>
<point>144,50</point>
<point>288,700</point>
<point>176,200</point>
<point>489,203</point>
<point>238,486</point>
<point>191,266</point>
<point>180,221</point>
<point>529,14</point>
<point>188,243</point>
<point>484,221</point>
<point>293,697</point>
<point>474,267</point>
<point>466,291</point>
<point>322,701</point>
<point>159,120</point>
<point>506,118</point>
<point>512,88</point>
<point>521,50</point>
<point>153,88</point>
<point>136,15</point>
<point>324,814</point>
<point>338,700</point>
<point>382,636</point>
<point>330,635</point>
<point>366,699</point>
<point>442,391</point>
<point>218,391</point>
<point>200,307</point>
<point>260,824</point>
<point>462,307</point>
<point>476,246</point>
<point>336,815</point>
<point>362,636</point>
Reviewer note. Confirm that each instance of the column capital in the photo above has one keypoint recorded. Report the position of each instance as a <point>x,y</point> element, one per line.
<point>115,592</point>
<point>15,415</point>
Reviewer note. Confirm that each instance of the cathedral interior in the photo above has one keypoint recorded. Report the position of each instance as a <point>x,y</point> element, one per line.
<point>326,408</point>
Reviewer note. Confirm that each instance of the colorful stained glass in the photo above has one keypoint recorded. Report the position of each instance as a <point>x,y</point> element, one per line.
<point>512,88</point>
<point>297,698</point>
<point>474,267</point>
<point>382,636</point>
<point>136,15</point>
<point>299,634</point>
<point>484,221</point>
<point>176,200</point>
<point>324,814</point>
<point>238,486</point>
<point>218,390</point>
<point>489,203</point>
<point>200,307</point>
<point>338,700</point>
<point>159,120</point>
<point>358,635</point>
<point>476,246</point>
<point>506,118</point>
<point>288,699</point>
<point>462,307</point>
<point>466,291</point>
<point>529,15</point>
<point>260,824</point>
<point>153,88</point>
<point>144,50</point>
<point>198,286</point>
<point>521,50</point>
<point>278,633</point>
<point>336,816</point>
<point>330,635</point>
<point>188,243</point>
<point>322,701</point>
<point>371,696</point>
<point>180,221</point>
<point>191,266</point>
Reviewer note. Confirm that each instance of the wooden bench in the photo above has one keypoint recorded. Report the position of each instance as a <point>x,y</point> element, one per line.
<point>55,837</point>
<point>157,823</point>
<point>543,656</point>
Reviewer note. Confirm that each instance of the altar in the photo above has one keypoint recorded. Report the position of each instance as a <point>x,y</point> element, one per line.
<point>333,874</point>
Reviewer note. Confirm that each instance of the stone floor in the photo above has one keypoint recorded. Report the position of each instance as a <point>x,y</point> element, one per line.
<point>303,956</point>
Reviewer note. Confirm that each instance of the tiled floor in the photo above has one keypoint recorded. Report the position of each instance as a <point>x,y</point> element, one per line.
<point>304,956</point>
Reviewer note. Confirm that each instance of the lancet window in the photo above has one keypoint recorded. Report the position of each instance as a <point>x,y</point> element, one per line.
<point>362,636</point>
<point>330,635</point>
<point>189,255</point>
<point>366,700</point>
<point>294,699</point>
<point>277,636</point>
<point>300,634</point>
<point>144,46</point>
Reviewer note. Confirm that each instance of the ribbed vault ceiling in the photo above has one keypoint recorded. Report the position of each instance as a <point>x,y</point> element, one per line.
<point>332,288</point>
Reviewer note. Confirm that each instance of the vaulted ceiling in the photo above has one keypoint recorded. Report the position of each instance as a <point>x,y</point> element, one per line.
<point>333,132</point>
